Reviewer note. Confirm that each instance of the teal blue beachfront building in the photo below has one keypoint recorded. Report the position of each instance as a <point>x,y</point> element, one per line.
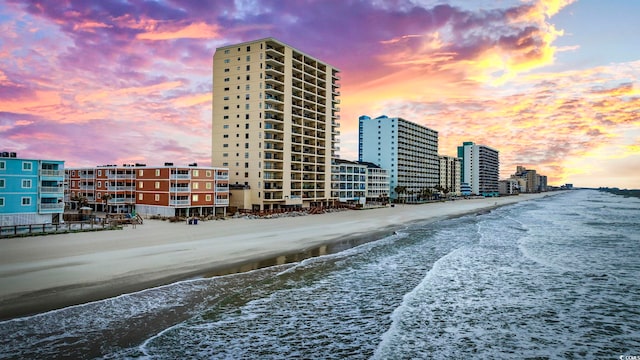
<point>31,190</point>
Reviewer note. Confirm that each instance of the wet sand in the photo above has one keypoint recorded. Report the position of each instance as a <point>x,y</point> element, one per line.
<point>43,273</point>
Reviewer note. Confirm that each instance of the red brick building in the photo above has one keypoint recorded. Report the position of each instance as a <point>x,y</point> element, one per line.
<point>151,190</point>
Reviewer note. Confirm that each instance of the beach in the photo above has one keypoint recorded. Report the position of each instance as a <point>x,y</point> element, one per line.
<point>43,273</point>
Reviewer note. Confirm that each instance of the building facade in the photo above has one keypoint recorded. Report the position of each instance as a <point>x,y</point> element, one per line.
<point>530,180</point>
<point>349,182</point>
<point>150,190</point>
<point>31,190</point>
<point>378,188</point>
<point>450,175</point>
<point>407,150</point>
<point>480,168</point>
<point>275,123</point>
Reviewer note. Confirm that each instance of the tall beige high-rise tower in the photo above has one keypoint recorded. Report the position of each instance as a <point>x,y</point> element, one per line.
<point>275,123</point>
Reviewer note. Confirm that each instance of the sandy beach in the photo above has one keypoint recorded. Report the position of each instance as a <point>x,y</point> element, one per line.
<point>43,273</point>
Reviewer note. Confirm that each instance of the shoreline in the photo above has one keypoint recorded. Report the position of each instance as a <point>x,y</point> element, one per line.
<point>44,273</point>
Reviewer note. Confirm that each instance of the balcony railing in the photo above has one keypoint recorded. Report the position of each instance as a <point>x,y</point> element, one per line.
<point>51,189</point>
<point>179,189</point>
<point>179,202</point>
<point>52,172</point>
<point>52,207</point>
<point>180,176</point>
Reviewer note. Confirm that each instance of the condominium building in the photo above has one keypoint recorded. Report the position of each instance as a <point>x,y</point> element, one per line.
<point>480,168</point>
<point>275,123</point>
<point>378,189</point>
<point>166,190</point>
<point>530,180</point>
<point>31,190</point>
<point>407,150</point>
<point>450,175</point>
<point>349,182</point>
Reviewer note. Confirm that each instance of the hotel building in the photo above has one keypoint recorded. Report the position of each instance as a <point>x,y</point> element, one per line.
<point>275,123</point>
<point>31,190</point>
<point>151,190</point>
<point>480,168</point>
<point>409,151</point>
<point>450,174</point>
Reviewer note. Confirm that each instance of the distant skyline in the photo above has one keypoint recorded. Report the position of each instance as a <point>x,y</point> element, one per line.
<point>552,85</point>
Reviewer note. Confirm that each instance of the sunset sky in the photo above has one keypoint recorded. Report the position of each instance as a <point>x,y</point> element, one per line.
<point>552,85</point>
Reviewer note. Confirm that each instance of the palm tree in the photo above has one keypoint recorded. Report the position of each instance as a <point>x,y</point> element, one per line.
<point>400,190</point>
<point>106,198</point>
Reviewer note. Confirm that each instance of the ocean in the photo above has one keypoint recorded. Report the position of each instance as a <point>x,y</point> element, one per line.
<point>552,278</point>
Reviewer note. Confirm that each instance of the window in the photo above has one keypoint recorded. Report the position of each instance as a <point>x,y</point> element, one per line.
<point>226,98</point>
<point>226,51</point>
<point>248,77</point>
<point>226,89</point>
<point>225,136</point>
<point>248,67</point>
<point>157,172</point>
<point>208,197</point>
<point>196,186</point>
<point>208,185</point>
<point>26,201</point>
<point>226,61</point>
<point>1,201</point>
<point>226,70</point>
<point>100,185</point>
<point>226,126</point>
<point>208,173</point>
<point>246,97</point>
<point>26,183</point>
<point>157,197</point>
<point>246,106</point>
<point>1,183</point>
<point>3,166</point>
<point>140,185</point>
<point>157,184</point>
<point>194,197</point>
<point>26,166</point>
<point>140,172</point>
<point>140,195</point>
<point>226,79</point>
<point>226,117</point>
<point>246,174</point>
<point>226,108</point>
<point>225,145</point>
<point>248,49</point>
<point>196,172</point>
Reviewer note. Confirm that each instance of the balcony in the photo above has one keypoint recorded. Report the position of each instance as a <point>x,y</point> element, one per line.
<point>179,189</point>
<point>54,207</point>
<point>179,202</point>
<point>51,189</point>
<point>180,176</point>
<point>53,173</point>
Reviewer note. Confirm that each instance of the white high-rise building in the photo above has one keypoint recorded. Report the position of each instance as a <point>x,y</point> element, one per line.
<point>480,168</point>
<point>275,123</point>
<point>407,150</point>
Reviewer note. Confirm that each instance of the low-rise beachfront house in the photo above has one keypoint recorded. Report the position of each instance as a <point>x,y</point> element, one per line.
<point>349,182</point>
<point>31,190</point>
<point>166,190</point>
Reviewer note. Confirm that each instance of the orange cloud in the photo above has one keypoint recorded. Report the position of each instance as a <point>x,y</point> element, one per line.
<point>193,31</point>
